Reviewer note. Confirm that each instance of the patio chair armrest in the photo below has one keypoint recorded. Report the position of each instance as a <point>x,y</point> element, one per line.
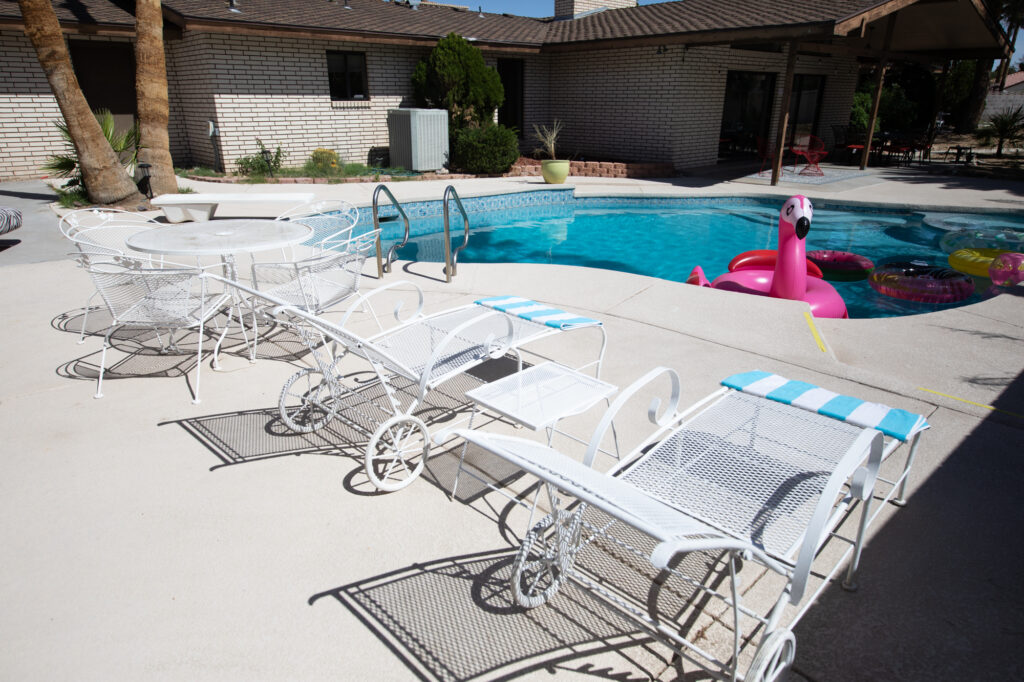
<point>665,417</point>
<point>861,478</point>
<point>364,299</point>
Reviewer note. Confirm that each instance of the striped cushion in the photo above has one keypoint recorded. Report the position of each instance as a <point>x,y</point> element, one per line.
<point>537,312</point>
<point>899,424</point>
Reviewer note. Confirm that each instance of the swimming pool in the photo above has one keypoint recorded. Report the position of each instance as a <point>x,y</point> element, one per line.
<point>667,237</point>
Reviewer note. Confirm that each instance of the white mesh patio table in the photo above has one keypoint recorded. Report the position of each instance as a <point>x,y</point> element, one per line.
<point>538,398</point>
<point>220,237</point>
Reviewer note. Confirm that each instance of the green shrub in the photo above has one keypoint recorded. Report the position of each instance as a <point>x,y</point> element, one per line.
<point>323,161</point>
<point>455,77</point>
<point>485,150</point>
<point>125,144</point>
<point>257,165</point>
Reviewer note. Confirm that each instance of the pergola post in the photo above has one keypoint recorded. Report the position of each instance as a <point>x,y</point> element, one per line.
<point>883,66</point>
<point>787,93</point>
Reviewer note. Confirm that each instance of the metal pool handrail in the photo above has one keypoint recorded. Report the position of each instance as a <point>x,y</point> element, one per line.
<point>451,258</point>
<point>385,266</point>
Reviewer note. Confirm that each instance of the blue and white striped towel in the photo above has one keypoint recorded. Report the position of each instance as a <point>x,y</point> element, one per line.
<point>899,424</point>
<point>537,312</point>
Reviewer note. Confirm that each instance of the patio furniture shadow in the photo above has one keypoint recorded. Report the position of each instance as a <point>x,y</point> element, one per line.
<point>453,618</point>
<point>252,435</point>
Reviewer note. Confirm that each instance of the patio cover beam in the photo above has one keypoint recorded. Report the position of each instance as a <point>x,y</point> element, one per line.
<point>883,66</point>
<point>787,93</point>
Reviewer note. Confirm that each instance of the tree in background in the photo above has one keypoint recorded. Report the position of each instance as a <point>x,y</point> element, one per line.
<point>151,97</point>
<point>455,77</point>
<point>104,179</point>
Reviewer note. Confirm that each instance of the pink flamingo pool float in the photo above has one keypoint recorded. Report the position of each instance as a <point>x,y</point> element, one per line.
<point>788,278</point>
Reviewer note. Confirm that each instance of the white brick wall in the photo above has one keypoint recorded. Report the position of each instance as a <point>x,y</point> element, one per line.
<point>276,89</point>
<point>27,110</point>
<point>636,104</point>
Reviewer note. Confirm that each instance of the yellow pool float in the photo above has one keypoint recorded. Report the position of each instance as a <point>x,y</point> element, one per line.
<point>974,261</point>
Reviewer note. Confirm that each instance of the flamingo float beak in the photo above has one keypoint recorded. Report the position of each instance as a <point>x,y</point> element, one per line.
<point>803,226</point>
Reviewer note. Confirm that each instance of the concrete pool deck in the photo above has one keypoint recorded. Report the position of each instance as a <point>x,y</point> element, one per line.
<point>148,538</point>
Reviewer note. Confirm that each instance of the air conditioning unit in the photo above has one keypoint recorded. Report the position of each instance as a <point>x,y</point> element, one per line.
<point>418,138</point>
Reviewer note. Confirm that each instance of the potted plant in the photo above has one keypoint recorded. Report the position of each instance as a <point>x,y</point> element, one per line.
<point>554,171</point>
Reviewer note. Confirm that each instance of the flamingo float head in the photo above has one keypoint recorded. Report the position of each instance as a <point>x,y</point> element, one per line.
<point>790,277</point>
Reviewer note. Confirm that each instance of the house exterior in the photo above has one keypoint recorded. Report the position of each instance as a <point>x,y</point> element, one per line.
<point>680,82</point>
<point>1008,98</point>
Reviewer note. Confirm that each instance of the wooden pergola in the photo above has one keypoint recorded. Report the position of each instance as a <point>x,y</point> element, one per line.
<point>926,31</point>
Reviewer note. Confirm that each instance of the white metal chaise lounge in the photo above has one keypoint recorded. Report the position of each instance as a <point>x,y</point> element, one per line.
<point>407,361</point>
<point>764,469</point>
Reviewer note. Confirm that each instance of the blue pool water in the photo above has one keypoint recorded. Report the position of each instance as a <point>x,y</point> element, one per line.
<point>666,237</point>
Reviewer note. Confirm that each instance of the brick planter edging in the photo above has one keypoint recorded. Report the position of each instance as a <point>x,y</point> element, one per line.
<point>597,169</point>
<point>522,167</point>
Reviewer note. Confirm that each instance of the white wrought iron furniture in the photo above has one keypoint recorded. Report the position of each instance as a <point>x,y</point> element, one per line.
<point>736,477</point>
<point>332,220</point>
<point>317,283</point>
<point>407,361</point>
<point>162,300</point>
<point>100,235</point>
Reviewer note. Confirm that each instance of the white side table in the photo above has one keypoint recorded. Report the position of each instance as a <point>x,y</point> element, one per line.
<point>537,398</point>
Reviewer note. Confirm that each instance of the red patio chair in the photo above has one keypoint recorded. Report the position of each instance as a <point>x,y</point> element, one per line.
<point>814,152</point>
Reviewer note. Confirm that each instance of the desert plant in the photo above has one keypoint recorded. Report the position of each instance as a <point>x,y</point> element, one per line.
<point>455,77</point>
<point>259,166</point>
<point>547,138</point>
<point>125,144</point>
<point>1006,126</point>
<point>489,150</point>
<point>323,161</point>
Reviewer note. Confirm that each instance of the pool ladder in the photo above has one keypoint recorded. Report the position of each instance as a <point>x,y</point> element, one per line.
<point>451,257</point>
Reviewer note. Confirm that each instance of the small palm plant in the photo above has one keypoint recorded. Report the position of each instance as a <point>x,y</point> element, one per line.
<point>547,137</point>
<point>124,143</point>
<point>1006,126</point>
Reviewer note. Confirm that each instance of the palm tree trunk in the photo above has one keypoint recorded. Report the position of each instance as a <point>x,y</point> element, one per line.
<point>104,177</point>
<point>151,94</point>
<point>976,99</point>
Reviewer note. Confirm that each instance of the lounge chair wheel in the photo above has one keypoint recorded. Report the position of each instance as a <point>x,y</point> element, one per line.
<point>397,452</point>
<point>544,559</point>
<point>305,402</point>
<point>775,655</point>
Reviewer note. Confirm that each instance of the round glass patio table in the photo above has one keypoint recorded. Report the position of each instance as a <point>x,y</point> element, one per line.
<point>220,237</point>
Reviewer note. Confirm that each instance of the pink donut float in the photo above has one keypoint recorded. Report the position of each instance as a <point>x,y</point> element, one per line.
<point>841,266</point>
<point>1007,269</point>
<point>921,282</point>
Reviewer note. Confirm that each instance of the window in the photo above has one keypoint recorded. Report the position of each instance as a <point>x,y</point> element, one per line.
<point>805,106</point>
<point>346,72</point>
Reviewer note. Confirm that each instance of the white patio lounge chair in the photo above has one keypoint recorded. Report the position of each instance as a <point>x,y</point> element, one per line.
<point>738,476</point>
<point>163,300</point>
<point>408,361</point>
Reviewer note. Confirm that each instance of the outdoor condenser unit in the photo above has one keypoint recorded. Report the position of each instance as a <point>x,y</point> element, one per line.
<point>418,138</point>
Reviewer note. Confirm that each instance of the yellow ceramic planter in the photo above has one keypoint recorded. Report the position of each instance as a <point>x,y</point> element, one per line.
<point>554,172</point>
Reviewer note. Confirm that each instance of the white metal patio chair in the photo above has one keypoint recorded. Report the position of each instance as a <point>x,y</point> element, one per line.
<point>99,235</point>
<point>317,283</point>
<point>764,469</point>
<point>332,220</point>
<point>408,361</point>
<point>162,300</point>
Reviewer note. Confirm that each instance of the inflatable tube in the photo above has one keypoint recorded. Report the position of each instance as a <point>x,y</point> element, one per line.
<point>974,261</point>
<point>1006,238</point>
<point>841,266</point>
<point>919,281</point>
<point>1007,269</point>
<point>764,259</point>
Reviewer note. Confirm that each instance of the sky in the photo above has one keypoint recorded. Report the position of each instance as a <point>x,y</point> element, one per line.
<point>524,8</point>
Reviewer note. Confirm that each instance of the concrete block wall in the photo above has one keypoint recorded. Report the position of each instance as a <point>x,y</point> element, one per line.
<point>568,8</point>
<point>276,89</point>
<point>28,110</point>
<point>1002,101</point>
